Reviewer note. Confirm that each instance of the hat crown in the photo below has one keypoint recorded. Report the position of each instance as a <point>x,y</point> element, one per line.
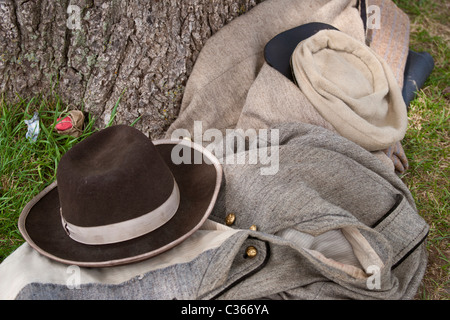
<point>113,176</point>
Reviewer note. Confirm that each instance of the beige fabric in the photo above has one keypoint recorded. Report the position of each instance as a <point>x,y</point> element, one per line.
<point>388,34</point>
<point>17,266</point>
<point>231,86</point>
<point>366,255</point>
<point>352,88</point>
<point>232,61</point>
<point>287,103</point>
<point>345,249</point>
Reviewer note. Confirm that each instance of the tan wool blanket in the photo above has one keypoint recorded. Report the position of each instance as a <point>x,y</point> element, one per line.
<point>232,87</point>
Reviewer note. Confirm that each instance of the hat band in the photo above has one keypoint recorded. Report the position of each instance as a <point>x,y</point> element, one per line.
<point>125,230</point>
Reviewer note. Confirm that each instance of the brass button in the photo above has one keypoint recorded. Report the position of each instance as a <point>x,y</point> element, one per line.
<point>251,252</point>
<point>253,227</point>
<point>229,220</point>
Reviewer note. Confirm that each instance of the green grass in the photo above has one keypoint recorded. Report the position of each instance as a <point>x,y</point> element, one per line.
<point>28,167</point>
<point>427,147</point>
<point>427,142</point>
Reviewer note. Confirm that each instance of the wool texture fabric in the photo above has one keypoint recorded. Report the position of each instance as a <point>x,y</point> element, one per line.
<point>387,33</point>
<point>231,85</point>
<point>352,88</point>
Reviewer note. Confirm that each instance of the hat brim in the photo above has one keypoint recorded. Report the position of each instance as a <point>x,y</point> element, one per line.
<point>278,51</point>
<point>199,184</point>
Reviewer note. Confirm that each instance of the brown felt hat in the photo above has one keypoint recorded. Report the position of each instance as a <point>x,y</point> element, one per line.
<point>121,198</point>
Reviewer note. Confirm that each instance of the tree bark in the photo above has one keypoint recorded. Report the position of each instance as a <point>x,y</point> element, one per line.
<point>93,52</point>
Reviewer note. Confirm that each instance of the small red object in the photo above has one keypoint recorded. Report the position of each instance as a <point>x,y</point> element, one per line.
<point>64,125</point>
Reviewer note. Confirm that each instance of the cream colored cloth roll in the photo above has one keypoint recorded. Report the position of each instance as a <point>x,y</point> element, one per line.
<point>352,88</point>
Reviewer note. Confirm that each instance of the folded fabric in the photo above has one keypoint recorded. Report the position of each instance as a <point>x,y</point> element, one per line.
<point>387,33</point>
<point>398,157</point>
<point>231,85</point>
<point>351,87</point>
<point>231,60</point>
<point>277,53</point>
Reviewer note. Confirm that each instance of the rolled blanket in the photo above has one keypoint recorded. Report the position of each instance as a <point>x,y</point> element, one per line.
<point>351,87</point>
<point>232,87</point>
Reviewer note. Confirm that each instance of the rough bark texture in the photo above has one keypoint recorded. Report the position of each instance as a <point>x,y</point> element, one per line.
<point>137,50</point>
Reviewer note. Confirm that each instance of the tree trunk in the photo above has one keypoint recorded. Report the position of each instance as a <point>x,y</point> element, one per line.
<point>93,52</point>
